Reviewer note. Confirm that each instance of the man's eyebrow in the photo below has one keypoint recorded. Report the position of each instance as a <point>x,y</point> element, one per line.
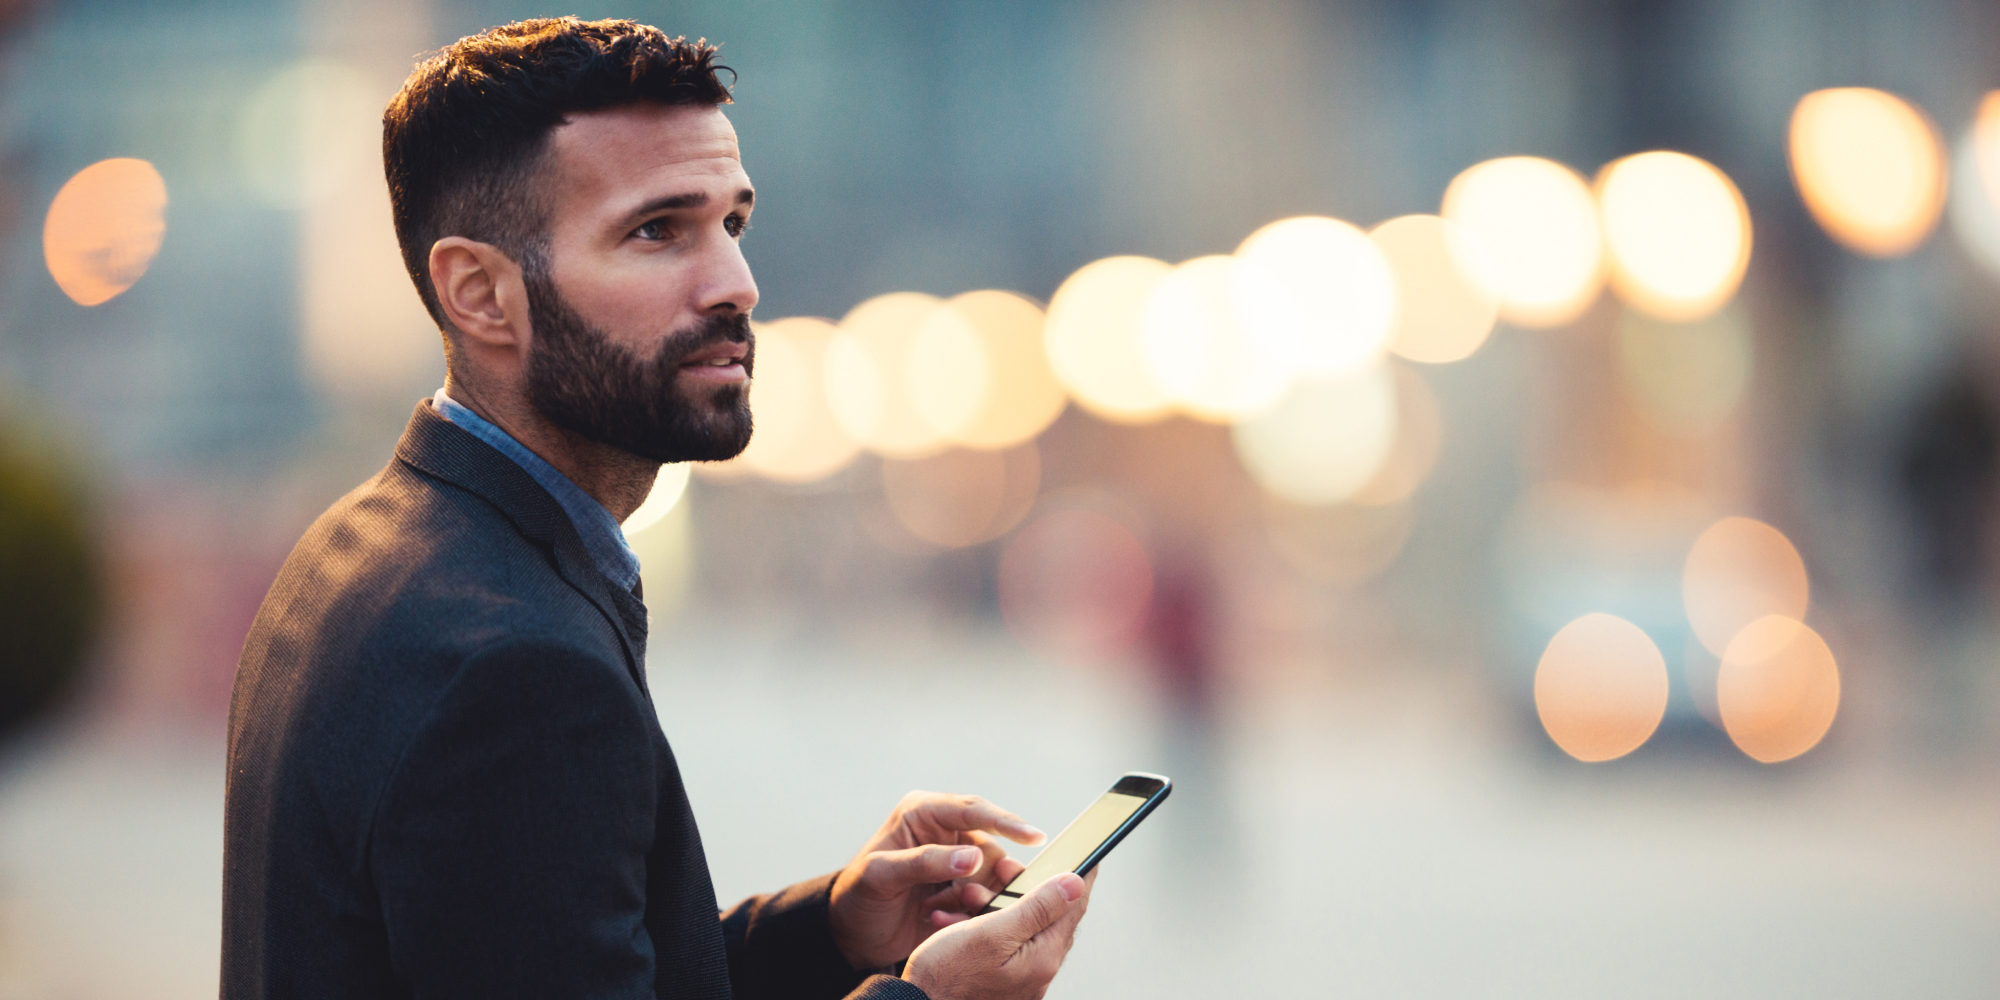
<point>690,199</point>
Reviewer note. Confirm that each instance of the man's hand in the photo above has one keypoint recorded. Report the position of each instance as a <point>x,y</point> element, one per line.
<point>931,865</point>
<point>1009,955</point>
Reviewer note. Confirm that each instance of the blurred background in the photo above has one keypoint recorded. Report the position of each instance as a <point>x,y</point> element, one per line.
<point>1526,469</point>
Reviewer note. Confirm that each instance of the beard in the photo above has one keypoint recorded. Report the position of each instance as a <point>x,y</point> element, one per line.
<point>581,381</point>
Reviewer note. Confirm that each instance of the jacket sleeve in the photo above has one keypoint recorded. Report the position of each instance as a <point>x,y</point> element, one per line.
<point>509,847</point>
<point>781,948</point>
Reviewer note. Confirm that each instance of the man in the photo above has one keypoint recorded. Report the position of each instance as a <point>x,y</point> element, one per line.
<point>446,774</point>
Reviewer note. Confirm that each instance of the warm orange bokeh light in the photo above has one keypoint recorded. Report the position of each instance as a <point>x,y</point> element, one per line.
<point>1601,687</point>
<point>1975,186</point>
<point>869,366</point>
<point>1538,224</point>
<point>1678,233</point>
<point>1419,436</point>
<point>962,497</point>
<point>1207,346</point>
<point>1326,440</point>
<point>947,375</point>
<point>1075,586</point>
<point>797,439</point>
<point>1778,689</point>
<point>1739,571</point>
<point>1334,286</point>
<point>1094,341</point>
<point>668,488</point>
<point>1445,307</point>
<point>1022,395</point>
<point>104,228</point>
<point>1870,167</point>
<point>1986,146</point>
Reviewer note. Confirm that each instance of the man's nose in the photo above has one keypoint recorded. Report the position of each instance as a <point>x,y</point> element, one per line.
<point>727,284</point>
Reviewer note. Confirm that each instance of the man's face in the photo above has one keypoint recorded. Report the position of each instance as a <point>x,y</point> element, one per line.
<point>641,325</point>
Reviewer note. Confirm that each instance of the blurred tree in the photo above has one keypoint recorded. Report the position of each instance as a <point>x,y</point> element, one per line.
<point>51,586</point>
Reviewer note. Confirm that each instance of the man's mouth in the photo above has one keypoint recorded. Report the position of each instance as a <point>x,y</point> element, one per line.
<point>721,362</point>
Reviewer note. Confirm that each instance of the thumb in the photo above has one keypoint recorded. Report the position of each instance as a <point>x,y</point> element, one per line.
<point>891,872</point>
<point>1038,909</point>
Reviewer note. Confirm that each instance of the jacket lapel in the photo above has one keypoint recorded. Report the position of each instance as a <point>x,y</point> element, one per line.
<point>438,447</point>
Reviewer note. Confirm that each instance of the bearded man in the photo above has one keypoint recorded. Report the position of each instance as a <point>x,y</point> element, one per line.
<point>446,774</point>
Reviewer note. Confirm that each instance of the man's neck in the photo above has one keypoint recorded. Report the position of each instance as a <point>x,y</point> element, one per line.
<point>613,477</point>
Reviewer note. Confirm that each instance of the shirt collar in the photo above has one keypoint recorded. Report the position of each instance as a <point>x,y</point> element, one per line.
<point>601,535</point>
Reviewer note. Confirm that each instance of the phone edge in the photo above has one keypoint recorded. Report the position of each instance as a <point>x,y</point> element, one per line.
<point>1117,836</point>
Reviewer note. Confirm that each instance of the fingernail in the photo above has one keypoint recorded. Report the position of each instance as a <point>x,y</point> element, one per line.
<point>1072,888</point>
<point>965,859</point>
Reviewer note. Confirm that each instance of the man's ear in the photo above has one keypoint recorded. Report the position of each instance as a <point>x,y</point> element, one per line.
<point>481,292</point>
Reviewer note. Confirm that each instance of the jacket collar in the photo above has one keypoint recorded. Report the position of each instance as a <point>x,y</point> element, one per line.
<point>437,447</point>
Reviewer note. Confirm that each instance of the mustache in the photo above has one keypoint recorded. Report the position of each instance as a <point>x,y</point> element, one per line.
<point>720,328</point>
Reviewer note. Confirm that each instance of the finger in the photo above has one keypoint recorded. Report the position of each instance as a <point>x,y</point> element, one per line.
<point>997,876</point>
<point>889,873</point>
<point>970,812</point>
<point>1070,920</point>
<point>941,919</point>
<point>1039,910</point>
<point>973,897</point>
<point>1060,936</point>
<point>1005,871</point>
<point>946,899</point>
<point>994,859</point>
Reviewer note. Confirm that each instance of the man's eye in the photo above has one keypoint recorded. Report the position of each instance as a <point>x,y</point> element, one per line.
<point>654,230</point>
<point>735,225</point>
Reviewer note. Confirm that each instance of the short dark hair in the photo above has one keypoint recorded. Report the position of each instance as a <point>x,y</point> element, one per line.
<point>463,140</point>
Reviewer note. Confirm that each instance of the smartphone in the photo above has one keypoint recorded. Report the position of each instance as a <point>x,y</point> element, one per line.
<point>1091,836</point>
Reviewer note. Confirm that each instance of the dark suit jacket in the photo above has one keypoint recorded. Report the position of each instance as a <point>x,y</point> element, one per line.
<point>447,777</point>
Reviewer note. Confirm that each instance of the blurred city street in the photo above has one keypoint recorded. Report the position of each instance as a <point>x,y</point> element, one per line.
<point>1377,839</point>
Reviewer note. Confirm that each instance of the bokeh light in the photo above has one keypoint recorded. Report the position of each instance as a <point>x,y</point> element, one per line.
<point>1337,287</point>
<point>1342,544</point>
<point>1445,306</point>
<point>1986,142</point>
<point>1075,585</point>
<point>310,141</point>
<point>1220,338</point>
<point>1778,689</point>
<point>1975,187</point>
<point>1414,450</point>
<point>666,558</point>
<point>869,374</point>
<point>668,488</point>
<point>1601,687</point>
<point>1325,441</point>
<point>1685,378</point>
<point>307,131</point>
<point>962,497</point>
<point>797,438</point>
<point>1022,395</point>
<point>948,378</point>
<point>1740,570</point>
<point>1094,341</point>
<point>104,228</point>
<point>1538,224</point>
<point>1870,167</point>
<point>1677,231</point>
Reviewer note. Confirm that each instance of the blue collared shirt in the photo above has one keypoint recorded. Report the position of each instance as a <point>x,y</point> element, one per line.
<point>602,537</point>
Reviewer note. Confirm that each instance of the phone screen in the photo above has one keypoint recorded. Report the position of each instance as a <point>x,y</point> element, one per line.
<point>1072,846</point>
